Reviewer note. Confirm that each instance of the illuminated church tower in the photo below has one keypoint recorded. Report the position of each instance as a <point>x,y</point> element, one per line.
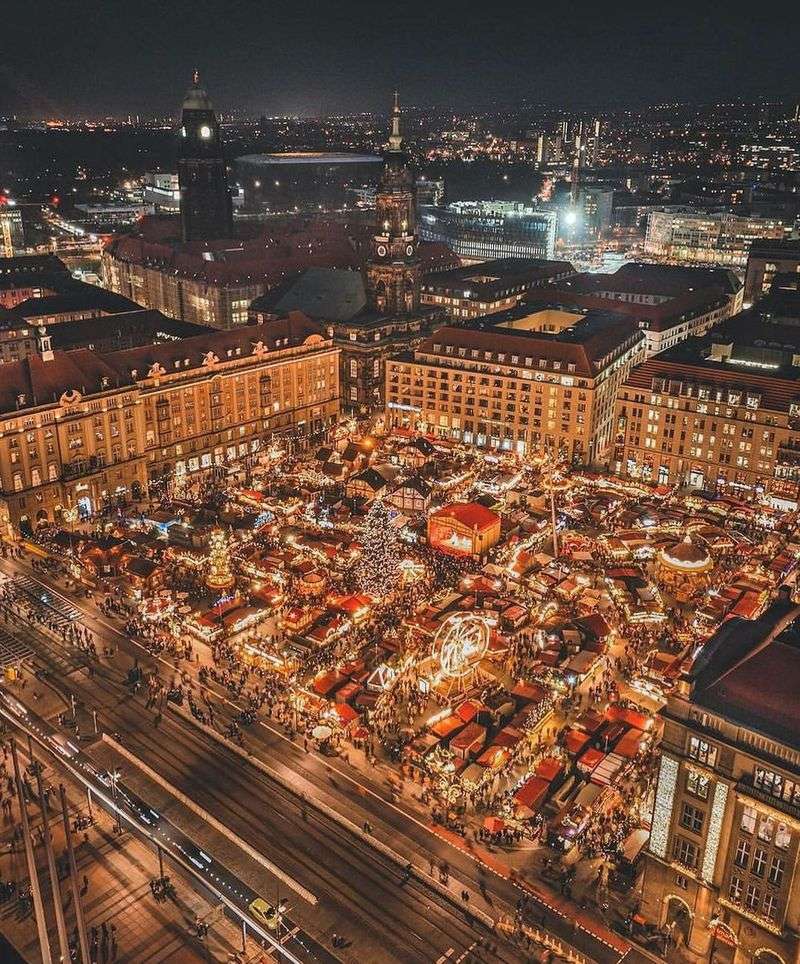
<point>206,210</point>
<point>393,269</point>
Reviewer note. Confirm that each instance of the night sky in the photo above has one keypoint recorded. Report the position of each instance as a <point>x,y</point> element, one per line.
<point>69,58</point>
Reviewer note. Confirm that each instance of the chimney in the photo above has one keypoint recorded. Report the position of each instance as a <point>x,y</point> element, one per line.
<point>44,345</point>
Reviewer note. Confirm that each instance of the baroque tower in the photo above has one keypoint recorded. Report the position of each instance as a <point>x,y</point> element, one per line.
<point>393,269</point>
<point>206,210</point>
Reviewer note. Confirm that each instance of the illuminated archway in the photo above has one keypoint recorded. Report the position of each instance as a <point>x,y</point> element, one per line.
<point>678,919</point>
<point>765,955</point>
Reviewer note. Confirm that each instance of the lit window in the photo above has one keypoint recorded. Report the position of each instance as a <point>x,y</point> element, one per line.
<point>766,828</point>
<point>685,852</point>
<point>205,132</point>
<point>776,869</point>
<point>702,752</point>
<point>742,853</point>
<point>692,818</point>
<point>748,819</point>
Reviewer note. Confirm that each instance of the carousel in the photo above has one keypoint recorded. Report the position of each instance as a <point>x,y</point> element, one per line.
<point>684,569</point>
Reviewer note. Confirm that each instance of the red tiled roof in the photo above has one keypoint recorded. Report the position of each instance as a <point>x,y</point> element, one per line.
<point>268,258</point>
<point>662,316</point>
<point>470,514</point>
<point>89,372</point>
<point>776,393</point>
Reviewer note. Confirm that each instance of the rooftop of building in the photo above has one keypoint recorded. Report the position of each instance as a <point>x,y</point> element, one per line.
<point>584,343</point>
<point>330,294</point>
<point>680,294</point>
<point>655,279</point>
<point>140,326</point>
<point>749,673</point>
<point>337,295</point>
<point>262,254</point>
<point>789,248</point>
<point>34,382</point>
<point>84,297</point>
<point>470,514</point>
<point>690,364</point>
<point>33,270</point>
<point>483,280</point>
<point>196,96</point>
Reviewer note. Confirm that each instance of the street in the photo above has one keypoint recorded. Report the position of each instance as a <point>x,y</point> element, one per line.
<point>364,895</point>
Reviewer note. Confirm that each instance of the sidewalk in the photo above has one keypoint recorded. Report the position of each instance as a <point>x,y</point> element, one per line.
<point>372,780</point>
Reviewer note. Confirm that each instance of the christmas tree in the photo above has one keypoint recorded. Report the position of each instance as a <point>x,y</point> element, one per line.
<point>377,572</point>
<point>220,575</point>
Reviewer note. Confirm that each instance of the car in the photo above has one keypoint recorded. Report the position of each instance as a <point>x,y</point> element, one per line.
<point>64,746</point>
<point>194,854</point>
<point>15,705</point>
<point>264,913</point>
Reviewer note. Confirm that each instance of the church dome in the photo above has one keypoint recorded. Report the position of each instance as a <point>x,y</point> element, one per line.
<point>196,96</point>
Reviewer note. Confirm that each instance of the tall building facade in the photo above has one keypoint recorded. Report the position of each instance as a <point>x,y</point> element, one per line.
<point>768,261</point>
<point>486,230</point>
<point>722,861</point>
<point>697,237</point>
<point>12,233</point>
<point>393,270</point>
<point>528,380</point>
<point>722,413</point>
<point>81,427</point>
<point>205,201</point>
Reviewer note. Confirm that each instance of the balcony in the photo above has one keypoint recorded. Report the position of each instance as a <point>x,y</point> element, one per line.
<point>82,467</point>
<point>746,788</point>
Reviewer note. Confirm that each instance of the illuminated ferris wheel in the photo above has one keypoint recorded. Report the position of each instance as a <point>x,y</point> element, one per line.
<point>460,644</point>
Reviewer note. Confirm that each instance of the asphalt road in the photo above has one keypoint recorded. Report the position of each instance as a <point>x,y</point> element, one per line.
<point>358,888</point>
<point>361,886</point>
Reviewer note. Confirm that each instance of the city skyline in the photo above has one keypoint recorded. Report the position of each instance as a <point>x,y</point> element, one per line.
<point>268,60</point>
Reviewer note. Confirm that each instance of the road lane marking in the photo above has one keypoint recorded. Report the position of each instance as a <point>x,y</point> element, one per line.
<point>212,820</point>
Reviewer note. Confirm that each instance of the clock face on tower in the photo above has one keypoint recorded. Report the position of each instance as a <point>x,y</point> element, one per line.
<point>409,250</point>
<point>381,250</point>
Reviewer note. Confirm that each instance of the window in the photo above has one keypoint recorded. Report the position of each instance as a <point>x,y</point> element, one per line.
<point>782,837</point>
<point>759,862</point>
<point>697,784</point>
<point>692,818</point>
<point>749,819</point>
<point>768,781</point>
<point>702,752</point>
<point>776,869</point>
<point>742,853</point>
<point>682,881</point>
<point>735,889</point>
<point>766,828</point>
<point>685,852</point>
<point>353,368</point>
<point>753,897</point>
<point>770,906</point>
